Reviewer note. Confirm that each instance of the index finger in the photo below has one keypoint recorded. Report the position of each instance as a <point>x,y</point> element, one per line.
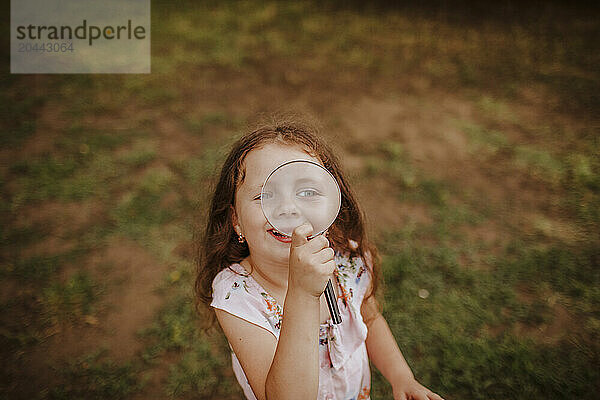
<point>301,234</point>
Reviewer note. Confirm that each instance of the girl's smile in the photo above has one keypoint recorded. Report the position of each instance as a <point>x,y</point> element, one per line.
<point>280,236</point>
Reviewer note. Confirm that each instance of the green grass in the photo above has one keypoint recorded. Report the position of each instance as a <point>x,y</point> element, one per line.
<point>449,337</point>
<point>18,120</point>
<point>483,53</point>
<point>482,141</point>
<point>497,109</point>
<point>194,374</point>
<point>200,124</point>
<point>475,319</point>
<point>539,162</point>
<point>71,301</point>
<point>42,178</point>
<point>391,159</point>
<point>79,168</point>
<point>142,153</point>
<point>142,207</point>
<point>465,337</point>
<point>203,367</point>
<point>39,268</point>
<point>94,376</point>
<point>84,139</point>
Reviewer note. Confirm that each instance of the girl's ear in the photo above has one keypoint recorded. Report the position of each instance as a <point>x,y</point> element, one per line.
<point>234,221</point>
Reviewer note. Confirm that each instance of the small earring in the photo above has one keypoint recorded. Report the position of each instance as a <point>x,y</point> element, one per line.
<point>241,238</point>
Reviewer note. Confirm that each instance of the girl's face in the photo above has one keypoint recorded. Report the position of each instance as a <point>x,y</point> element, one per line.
<point>264,243</point>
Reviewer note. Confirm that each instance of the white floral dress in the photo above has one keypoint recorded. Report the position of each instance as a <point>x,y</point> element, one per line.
<point>344,365</point>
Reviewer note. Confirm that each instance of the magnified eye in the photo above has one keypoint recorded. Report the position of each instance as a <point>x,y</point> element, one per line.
<point>307,193</point>
<point>264,196</point>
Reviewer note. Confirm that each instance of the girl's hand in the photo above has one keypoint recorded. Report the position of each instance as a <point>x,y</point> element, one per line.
<point>311,261</point>
<point>413,390</point>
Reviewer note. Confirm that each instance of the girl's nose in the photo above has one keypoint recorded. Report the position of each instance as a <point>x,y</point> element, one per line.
<point>287,208</point>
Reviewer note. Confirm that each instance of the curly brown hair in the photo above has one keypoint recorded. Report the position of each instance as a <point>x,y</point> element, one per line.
<point>220,248</point>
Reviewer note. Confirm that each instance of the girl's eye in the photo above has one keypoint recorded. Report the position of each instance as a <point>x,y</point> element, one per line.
<point>265,195</point>
<point>307,193</point>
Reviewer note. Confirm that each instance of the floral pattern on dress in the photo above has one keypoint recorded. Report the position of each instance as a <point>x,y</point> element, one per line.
<point>364,393</point>
<point>275,309</point>
<point>236,285</point>
<point>322,331</point>
<point>348,270</point>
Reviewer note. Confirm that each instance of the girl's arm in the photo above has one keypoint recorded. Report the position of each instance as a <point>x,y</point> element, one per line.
<point>386,356</point>
<point>294,373</point>
<point>285,370</point>
<point>288,368</point>
<point>253,346</point>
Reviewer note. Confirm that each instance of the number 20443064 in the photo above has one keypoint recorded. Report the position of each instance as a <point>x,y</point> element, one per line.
<point>47,47</point>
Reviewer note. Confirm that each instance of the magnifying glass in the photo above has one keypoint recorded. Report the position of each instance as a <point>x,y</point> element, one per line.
<point>301,191</point>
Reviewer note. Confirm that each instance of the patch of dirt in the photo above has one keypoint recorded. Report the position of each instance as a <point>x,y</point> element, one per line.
<point>63,217</point>
<point>422,120</point>
<point>131,276</point>
<point>134,299</point>
<point>427,131</point>
<point>61,222</point>
<point>378,198</point>
<point>562,324</point>
<point>559,322</point>
<point>50,125</point>
<point>174,142</point>
<point>555,228</point>
<point>492,239</point>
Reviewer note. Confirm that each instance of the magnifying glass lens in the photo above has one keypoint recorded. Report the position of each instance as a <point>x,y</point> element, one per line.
<point>300,191</point>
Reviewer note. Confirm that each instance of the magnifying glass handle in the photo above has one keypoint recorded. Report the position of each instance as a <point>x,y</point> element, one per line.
<point>332,303</point>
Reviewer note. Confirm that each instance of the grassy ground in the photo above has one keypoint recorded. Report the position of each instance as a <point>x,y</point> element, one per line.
<point>470,134</point>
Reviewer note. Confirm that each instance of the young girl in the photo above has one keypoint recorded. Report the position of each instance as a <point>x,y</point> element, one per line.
<point>266,289</point>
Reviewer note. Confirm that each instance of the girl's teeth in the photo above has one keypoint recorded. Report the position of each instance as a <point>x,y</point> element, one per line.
<point>278,234</point>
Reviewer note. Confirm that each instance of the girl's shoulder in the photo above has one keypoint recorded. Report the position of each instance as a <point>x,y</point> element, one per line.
<point>231,279</point>
<point>237,293</point>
